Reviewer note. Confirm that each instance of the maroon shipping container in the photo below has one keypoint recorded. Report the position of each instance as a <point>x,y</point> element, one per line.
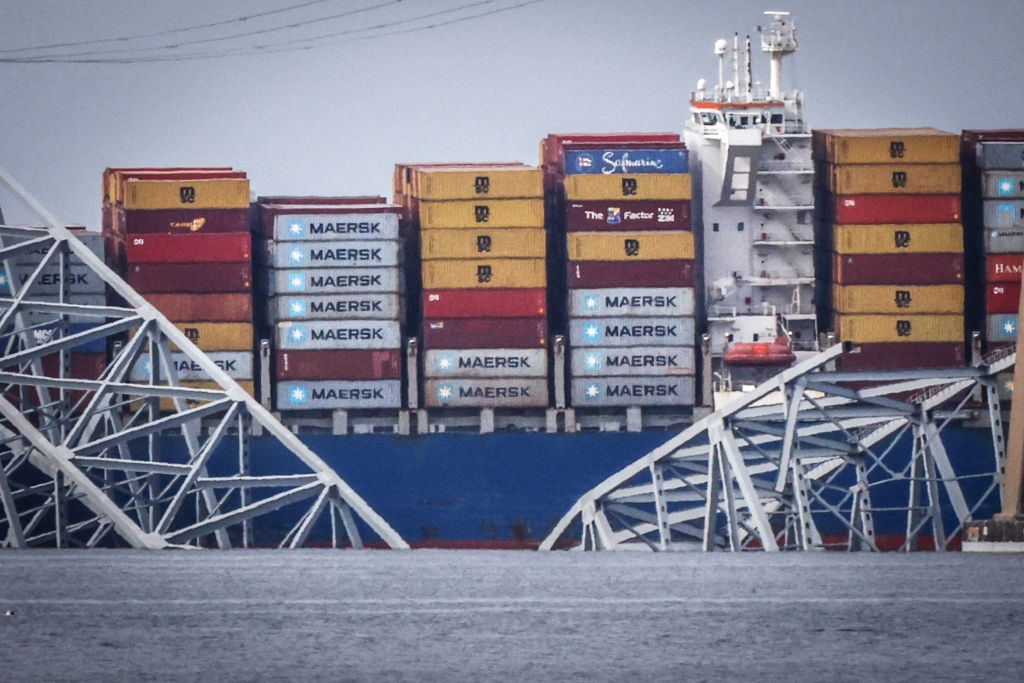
<point>485,333</point>
<point>180,221</point>
<point>630,274</point>
<point>1002,297</point>
<point>903,356</point>
<point>209,308</point>
<point>491,303</point>
<point>647,214</point>
<point>552,147</point>
<point>224,247</point>
<point>874,209</point>
<point>1004,267</point>
<point>897,269</point>
<point>190,277</point>
<point>339,364</point>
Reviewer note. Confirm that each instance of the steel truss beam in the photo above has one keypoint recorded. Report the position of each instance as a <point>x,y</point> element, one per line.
<point>80,458</point>
<point>808,460</point>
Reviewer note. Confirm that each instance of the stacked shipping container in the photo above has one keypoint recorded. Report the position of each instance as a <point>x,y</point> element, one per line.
<point>478,233</point>
<point>888,232</point>
<point>334,301</point>
<point>180,237</point>
<point>620,224</point>
<point>993,164</point>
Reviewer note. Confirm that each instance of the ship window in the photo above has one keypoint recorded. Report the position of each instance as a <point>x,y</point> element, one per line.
<point>714,227</point>
<point>708,118</point>
<point>744,121</point>
<point>739,226</point>
<point>776,118</point>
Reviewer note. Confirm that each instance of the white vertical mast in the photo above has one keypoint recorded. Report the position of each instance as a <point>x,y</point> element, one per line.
<point>778,41</point>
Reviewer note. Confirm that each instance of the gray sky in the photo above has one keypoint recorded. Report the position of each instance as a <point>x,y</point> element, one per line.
<point>336,118</point>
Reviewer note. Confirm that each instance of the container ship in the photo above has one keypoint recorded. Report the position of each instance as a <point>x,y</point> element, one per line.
<point>498,338</point>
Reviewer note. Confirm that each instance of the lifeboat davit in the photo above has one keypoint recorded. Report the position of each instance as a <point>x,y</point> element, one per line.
<point>760,354</point>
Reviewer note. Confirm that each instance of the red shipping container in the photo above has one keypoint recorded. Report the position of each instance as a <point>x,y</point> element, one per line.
<point>874,209</point>
<point>485,333</point>
<point>180,221</point>
<point>900,356</point>
<point>648,214</point>
<point>491,303</point>
<point>190,277</point>
<point>897,269</point>
<point>225,247</point>
<point>1004,267</point>
<point>1002,297</point>
<point>341,364</point>
<point>586,274</point>
<point>209,308</point>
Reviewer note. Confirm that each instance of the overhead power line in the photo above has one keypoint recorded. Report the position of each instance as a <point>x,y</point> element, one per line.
<point>380,30</point>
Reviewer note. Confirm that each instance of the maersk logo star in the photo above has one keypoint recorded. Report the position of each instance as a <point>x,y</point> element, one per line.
<point>445,362</point>
<point>592,303</point>
<point>1006,187</point>
<point>592,391</point>
<point>297,335</point>
<point>298,395</point>
<point>1010,327</point>
<point>296,283</point>
<point>444,392</point>
<point>295,229</point>
<point>297,307</point>
<point>592,331</point>
<point>295,257</point>
<point>592,361</point>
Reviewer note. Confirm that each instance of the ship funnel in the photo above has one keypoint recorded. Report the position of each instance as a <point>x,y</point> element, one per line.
<point>778,40</point>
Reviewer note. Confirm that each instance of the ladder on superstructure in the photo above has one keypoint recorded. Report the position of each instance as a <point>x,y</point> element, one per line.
<point>86,462</point>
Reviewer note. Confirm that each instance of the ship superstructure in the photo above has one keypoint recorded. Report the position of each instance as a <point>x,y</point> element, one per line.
<point>754,214</point>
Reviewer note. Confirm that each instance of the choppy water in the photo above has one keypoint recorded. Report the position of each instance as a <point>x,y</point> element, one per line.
<point>508,616</point>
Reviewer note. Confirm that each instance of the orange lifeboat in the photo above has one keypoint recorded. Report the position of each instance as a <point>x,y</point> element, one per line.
<point>760,354</point>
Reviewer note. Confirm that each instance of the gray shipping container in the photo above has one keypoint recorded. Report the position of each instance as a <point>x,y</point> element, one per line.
<point>1003,184</point>
<point>648,331</point>
<point>1002,327</point>
<point>485,363</point>
<point>335,307</point>
<point>92,240</point>
<point>1004,241</point>
<point>1003,213</point>
<point>650,361</point>
<point>339,334</point>
<point>237,365</point>
<point>1008,155</point>
<point>80,280</point>
<point>95,299</point>
<point>602,392</point>
<point>321,226</point>
<point>333,254</point>
<point>339,394</point>
<point>509,392</point>
<point>335,281</point>
<point>631,301</point>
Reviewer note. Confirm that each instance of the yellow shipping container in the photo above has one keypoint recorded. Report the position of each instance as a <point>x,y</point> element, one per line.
<point>483,243</point>
<point>891,178</point>
<point>630,246</point>
<point>886,145</point>
<point>917,238</point>
<point>167,405</point>
<point>898,299</point>
<point>223,193</point>
<point>501,213</point>
<point>639,186</point>
<point>484,274</point>
<point>900,328</point>
<point>487,182</point>
<point>218,336</point>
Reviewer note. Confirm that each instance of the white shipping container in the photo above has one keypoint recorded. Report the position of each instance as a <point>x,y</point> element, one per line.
<point>632,301</point>
<point>333,254</point>
<point>507,392</point>
<point>331,226</point>
<point>1004,241</point>
<point>1003,184</point>
<point>237,365</point>
<point>657,361</point>
<point>602,392</point>
<point>1000,155</point>
<point>339,394</point>
<point>339,334</point>
<point>1003,213</point>
<point>79,280</point>
<point>648,331</point>
<point>335,307</point>
<point>485,363</point>
<point>334,281</point>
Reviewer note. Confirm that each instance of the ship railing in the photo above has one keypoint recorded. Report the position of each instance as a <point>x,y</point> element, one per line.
<point>783,165</point>
<point>998,354</point>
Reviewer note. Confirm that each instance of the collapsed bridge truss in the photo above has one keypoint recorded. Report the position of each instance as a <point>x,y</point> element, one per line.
<point>86,462</point>
<point>811,459</point>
